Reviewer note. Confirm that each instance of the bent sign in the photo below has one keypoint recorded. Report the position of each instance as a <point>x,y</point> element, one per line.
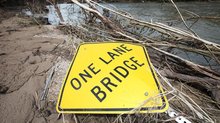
<point>111,78</point>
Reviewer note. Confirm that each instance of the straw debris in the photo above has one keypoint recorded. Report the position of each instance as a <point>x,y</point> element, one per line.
<point>193,90</point>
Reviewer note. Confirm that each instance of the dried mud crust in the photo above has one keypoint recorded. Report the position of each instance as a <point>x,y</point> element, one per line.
<point>25,60</point>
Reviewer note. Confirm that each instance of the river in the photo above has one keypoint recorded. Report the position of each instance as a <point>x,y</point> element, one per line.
<point>159,12</point>
<point>162,12</point>
<point>208,29</point>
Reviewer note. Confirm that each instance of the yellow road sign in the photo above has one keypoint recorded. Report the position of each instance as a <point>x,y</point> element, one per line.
<point>111,78</point>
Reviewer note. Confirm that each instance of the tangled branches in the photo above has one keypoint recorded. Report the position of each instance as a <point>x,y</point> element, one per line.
<point>202,83</point>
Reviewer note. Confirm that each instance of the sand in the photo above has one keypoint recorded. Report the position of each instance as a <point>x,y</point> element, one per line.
<point>27,53</point>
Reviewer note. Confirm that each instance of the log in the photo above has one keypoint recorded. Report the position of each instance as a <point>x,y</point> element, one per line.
<point>204,84</point>
<point>93,10</point>
<point>188,64</point>
<point>169,65</point>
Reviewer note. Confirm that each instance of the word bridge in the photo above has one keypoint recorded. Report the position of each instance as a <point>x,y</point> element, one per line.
<point>110,77</point>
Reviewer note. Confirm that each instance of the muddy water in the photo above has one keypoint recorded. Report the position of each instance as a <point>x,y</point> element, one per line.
<point>164,12</point>
<point>158,12</point>
<point>208,29</point>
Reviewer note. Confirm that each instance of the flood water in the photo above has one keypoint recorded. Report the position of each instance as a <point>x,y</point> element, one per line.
<point>208,29</point>
<point>162,12</point>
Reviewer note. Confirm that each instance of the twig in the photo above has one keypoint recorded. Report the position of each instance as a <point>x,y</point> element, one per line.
<point>198,68</point>
<point>48,81</point>
<point>75,118</point>
<point>184,22</point>
<point>159,26</point>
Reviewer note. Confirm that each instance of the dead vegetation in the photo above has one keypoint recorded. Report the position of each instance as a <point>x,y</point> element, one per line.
<point>193,90</point>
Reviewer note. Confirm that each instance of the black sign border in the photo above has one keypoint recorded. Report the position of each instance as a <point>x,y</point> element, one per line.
<point>101,110</point>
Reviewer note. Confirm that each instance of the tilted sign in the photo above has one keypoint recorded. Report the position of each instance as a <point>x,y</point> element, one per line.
<point>111,78</point>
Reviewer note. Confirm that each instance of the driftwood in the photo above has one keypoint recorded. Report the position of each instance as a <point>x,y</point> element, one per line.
<point>167,30</point>
<point>207,83</point>
<point>160,45</point>
<point>54,3</point>
<point>180,69</point>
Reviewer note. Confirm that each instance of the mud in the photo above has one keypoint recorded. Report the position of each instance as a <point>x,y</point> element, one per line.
<point>27,53</point>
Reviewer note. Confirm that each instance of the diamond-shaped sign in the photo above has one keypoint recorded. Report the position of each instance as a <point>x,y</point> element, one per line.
<point>111,78</point>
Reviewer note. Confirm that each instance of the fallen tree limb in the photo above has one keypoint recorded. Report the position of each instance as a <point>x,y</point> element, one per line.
<point>163,27</point>
<point>106,21</point>
<point>201,83</point>
<point>198,68</point>
<point>159,39</point>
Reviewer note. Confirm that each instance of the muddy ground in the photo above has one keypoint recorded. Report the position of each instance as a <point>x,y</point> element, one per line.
<point>27,53</point>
